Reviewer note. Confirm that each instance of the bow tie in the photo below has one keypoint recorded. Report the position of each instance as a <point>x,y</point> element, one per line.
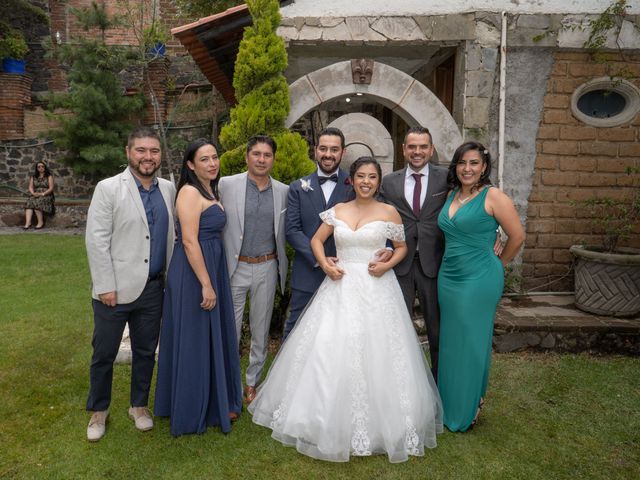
<point>333,178</point>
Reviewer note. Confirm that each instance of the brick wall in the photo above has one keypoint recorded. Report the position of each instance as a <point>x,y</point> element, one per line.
<point>15,93</point>
<point>574,162</point>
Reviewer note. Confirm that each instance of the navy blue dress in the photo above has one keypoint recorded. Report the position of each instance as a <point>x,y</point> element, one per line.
<point>199,380</point>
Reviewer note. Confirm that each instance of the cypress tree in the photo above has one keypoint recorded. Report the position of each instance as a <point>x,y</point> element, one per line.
<point>263,98</point>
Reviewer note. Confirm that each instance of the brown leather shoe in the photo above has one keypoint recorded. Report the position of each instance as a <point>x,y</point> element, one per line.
<point>249,393</point>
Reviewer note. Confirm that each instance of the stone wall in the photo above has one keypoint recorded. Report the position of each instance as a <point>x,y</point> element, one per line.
<point>18,157</point>
<point>575,162</point>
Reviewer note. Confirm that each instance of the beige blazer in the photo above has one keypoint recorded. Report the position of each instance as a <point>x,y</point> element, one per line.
<point>117,236</point>
<point>232,191</point>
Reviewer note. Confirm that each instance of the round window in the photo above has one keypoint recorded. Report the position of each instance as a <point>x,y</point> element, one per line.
<point>606,102</point>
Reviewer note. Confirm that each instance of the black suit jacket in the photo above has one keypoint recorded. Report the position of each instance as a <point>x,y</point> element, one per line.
<point>422,231</point>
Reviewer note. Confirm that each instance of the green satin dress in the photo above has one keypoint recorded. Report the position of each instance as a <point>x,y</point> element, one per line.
<point>470,283</point>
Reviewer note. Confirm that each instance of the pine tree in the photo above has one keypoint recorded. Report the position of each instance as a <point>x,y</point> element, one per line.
<point>263,98</point>
<point>94,133</point>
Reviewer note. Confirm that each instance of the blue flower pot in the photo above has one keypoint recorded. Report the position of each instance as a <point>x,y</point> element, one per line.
<point>11,65</point>
<point>158,50</point>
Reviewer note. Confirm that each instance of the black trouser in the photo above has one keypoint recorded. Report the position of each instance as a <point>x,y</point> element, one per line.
<point>427,289</point>
<point>143,316</point>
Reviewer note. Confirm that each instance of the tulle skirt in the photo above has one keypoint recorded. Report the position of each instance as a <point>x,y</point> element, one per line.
<point>352,378</point>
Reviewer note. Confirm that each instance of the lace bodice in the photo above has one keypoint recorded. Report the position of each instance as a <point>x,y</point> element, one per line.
<point>360,245</point>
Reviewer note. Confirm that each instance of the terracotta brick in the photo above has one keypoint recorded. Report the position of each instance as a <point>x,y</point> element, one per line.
<point>565,226</point>
<point>564,211</point>
<point>606,149</point>
<point>546,132</point>
<point>562,117</point>
<point>628,181</point>
<point>587,69</point>
<point>582,227</point>
<point>564,85</point>
<point>577,133</point>
<point>617,134</point>
<point>621,194</point>
<point>540,226</point>
<point>596,180</point>
<point>572,56</point>
<point>546,162</point>
<point>559,178</point>
<point>541,195</point>
<point>624,69</point>
<point>559,69</point>
<point>614,164</point>
<point>537,255</point>
<point>575,194</point>
<point>629,149</point>
<point>577,164</point>
<point>555,240</point>
<point>560,147</point>
<point>545,211</point>
<point>556,101</point>
<point>532,211</point>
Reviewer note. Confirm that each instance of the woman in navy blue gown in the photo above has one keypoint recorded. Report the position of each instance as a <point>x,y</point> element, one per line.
<point>199,381</point>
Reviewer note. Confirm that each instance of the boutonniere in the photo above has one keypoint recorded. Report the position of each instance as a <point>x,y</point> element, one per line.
<point>306,185</point>
<point>347,181</point>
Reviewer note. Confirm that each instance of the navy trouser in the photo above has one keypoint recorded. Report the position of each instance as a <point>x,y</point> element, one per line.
<point>143,315</point>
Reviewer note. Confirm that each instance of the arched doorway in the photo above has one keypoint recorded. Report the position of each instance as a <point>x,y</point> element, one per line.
<point>403,94</point>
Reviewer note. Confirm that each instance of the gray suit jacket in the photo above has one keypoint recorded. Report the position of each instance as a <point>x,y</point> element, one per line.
<point>421,231</point>
<point>117,236</point>
<point>232,195</point>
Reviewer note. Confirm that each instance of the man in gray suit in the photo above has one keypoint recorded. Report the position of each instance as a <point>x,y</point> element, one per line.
<point>254,241</point>
<point>129,240</point>
<point>418,192</point>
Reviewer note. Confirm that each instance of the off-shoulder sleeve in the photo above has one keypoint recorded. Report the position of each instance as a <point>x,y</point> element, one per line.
<point>395,231</point>
<point>329,216</point>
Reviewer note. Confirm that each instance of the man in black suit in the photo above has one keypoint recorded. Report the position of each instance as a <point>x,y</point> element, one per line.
<point>418,192</point>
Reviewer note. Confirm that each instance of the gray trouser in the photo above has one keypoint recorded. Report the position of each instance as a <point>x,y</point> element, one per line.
<point>259,281</point>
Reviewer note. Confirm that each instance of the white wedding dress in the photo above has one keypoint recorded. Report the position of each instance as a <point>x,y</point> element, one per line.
<point>352,379</point>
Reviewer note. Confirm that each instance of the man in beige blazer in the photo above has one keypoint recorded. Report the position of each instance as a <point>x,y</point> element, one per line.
<point>254,242</point>
<point>129,239</point>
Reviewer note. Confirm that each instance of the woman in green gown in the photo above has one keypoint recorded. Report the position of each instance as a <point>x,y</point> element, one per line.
<point>470,281</point>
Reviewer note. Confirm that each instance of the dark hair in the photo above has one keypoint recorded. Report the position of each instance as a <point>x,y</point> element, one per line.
<point>331,132</point>
<point>262,139</point>
<point>142,132</point>
<point>452,178</point>
<point>361,161</point>
<point>418,130</point>
<point>188,176</point>
<point>36,174</point>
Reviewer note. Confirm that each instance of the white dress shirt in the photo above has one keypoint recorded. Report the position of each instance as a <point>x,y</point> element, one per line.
<point>328,187</point>
<point>410,183</point>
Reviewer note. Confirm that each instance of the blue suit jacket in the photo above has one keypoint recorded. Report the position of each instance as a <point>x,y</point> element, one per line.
<point>303,210</point>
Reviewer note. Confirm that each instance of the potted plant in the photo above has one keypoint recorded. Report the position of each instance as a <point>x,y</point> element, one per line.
<point>13,49</point>
<point>155,37</point>
<point>607,277</point>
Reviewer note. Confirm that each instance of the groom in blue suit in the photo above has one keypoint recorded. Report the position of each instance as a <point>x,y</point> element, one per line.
<point>309,196</point>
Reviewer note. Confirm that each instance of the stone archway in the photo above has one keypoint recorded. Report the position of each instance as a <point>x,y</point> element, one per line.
<point>403,94</point>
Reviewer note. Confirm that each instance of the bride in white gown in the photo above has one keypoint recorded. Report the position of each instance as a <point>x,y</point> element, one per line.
<point>352,379</point>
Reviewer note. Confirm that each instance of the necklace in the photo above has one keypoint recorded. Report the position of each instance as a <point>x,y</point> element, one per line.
<point>461,201</point>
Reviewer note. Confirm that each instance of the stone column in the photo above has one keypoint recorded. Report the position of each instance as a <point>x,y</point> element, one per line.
<point>15,94</point>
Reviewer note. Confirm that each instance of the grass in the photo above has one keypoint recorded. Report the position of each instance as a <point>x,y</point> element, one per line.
<point>547,416</point>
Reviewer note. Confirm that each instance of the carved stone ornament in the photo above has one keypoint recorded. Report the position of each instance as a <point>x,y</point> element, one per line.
<point>362,70</point>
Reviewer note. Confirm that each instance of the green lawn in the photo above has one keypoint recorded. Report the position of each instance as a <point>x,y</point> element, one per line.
<point>547,416</point>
